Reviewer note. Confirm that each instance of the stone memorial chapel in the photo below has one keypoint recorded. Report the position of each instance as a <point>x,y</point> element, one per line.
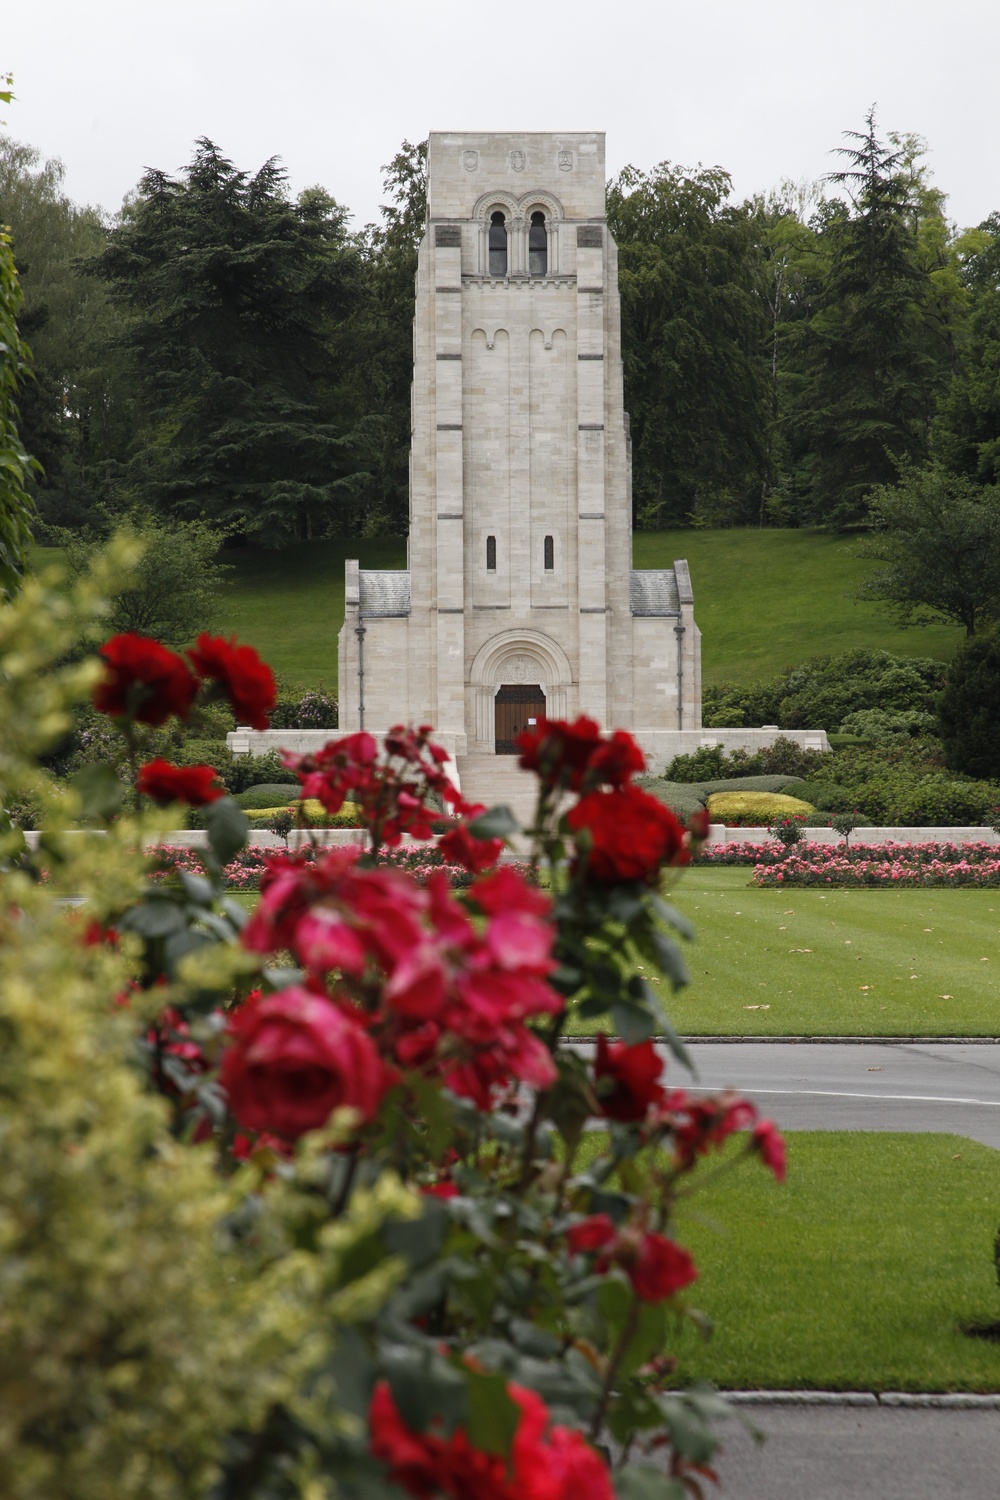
<point>519,598</point>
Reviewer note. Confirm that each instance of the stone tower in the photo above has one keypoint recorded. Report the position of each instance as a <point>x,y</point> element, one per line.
<point>519,597</point>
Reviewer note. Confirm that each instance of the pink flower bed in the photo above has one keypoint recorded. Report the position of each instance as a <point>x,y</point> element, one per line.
<point>880,866</point>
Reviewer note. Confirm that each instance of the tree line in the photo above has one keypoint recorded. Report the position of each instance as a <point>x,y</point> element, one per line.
<point>222,351</point>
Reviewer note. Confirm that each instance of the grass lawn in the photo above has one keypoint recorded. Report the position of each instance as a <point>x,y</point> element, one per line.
<point>836,963</point>
<point>853,1275</point>
<point>765,600</point>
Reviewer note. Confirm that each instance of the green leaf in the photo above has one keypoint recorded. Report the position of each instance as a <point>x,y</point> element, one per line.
<point>493,1414</point>
<point>497,823</point>
<point>418,1240</point>
<point>227,828</point>
<point>154,918</point>
<point>641,1482</point>
<point>669,958</point>
<point>99,790</point>
<point>196,888</point>
<point>426,1390</point>
<point>633,1022</point>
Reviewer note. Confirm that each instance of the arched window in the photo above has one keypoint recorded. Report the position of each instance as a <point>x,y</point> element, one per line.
<point>491,554</point>
<point>550,554</point>
<point>498,244</point>
<point>538,247</point>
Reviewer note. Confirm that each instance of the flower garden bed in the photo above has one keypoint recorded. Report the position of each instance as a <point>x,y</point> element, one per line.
<point>878,866</point>
<point>243,873</point>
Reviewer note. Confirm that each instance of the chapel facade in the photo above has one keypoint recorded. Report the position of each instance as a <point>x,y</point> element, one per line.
<point>519,598</point>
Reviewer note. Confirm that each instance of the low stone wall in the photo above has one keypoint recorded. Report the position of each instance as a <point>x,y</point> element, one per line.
<point>720,834</point>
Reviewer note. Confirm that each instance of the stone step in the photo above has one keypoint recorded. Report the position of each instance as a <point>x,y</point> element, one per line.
<point>494,779</point>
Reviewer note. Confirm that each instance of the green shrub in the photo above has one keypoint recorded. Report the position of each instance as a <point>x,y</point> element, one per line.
<point>876,724</point>
<point>682,800</point>
<point>710,763</point>
<point>843,741</point>
<point>817,820</point>
<point>754,809</point>
<point>315,709</point>
<point>751,784</point>
<point>825,796</point>
<point>706,763</point>
<point>969,708</point>
<point>267,794</point>
<point>821,692</point>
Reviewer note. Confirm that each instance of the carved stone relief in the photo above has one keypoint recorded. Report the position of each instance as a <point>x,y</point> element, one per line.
<point>517,161</point>
<point>470,160</point>
<point>565,159</point>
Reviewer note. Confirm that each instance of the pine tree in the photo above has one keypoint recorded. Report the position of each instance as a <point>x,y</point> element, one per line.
<point>869,381</point>
<point>234,299</point>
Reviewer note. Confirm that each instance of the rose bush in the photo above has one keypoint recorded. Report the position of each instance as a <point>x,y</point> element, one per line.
<point>367,1028</point>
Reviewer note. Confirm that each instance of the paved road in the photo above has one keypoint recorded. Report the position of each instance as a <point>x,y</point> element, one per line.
<point>847,1453</point>
<point>947,1086</point>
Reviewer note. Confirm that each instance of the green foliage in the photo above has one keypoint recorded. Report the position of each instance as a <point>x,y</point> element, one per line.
<point>826,796</point>
<point>313,709</point>
<point>266,795</point>
<point>175,587</point>
<point>682,800</point>
<point>74,414</point>
<point>692,326</point>
<point>874,724</point>
<point>969,709</point>
<point>867,376</point>
<point>966,433</point>
<point>16,509</point>
<point>235,301</point>
<point>938,538</point>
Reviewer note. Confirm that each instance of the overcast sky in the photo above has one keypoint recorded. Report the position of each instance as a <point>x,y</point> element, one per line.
<point>764,88</point>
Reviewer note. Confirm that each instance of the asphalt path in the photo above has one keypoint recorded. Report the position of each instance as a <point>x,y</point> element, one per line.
<point>941,1086</point>
<point>848,1453</point>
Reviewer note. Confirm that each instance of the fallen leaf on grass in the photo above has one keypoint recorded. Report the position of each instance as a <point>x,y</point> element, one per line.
<point>946,997</point>
<point>800,950</point>
<point>756,1007</point>
<point>864,986</point>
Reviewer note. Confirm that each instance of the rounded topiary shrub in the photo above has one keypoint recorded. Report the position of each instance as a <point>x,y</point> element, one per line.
<point>754,809</point>
<point>683,800</point>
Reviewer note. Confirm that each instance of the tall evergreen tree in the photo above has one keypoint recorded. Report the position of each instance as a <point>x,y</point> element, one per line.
<point>966,433</point>
<point>234,300</point>
<point>868,381</point>
<point>693,335</point>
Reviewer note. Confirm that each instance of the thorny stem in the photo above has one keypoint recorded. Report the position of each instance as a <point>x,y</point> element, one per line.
<point>348,1182</point>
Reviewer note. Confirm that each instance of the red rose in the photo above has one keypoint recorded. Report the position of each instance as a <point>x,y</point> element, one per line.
<point>632,835</point>
<point>545,1462</point>
<point>247,681</point>
<point>576,756</point>
<point>293,1059</point>
<point>630,1078</point>
<point>144,681</point>
<point>460,847</point>
<point>591,1234</point>
<point>768,1140</point>
<point>659,1268</point>
<point>165,783</point>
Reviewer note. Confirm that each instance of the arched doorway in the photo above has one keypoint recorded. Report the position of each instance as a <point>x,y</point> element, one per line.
<point>517,706</point>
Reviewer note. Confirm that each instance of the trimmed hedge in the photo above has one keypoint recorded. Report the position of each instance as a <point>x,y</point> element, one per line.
<point>754,809</point>
<point>266,795</point>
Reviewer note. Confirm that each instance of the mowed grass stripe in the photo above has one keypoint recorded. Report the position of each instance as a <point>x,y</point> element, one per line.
<point>836,963</point>
<point>855,1274</point>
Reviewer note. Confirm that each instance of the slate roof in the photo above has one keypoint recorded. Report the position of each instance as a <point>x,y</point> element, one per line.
<point>654,592</point>
<point>385,592</point>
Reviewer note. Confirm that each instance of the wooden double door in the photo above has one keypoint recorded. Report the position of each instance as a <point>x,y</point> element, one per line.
<point>518,706</point>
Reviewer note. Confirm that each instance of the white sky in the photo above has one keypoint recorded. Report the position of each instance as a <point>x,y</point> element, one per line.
<point>764,88</point>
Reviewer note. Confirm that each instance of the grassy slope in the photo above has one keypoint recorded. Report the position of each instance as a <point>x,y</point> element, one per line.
<point>290,604</point>
<point>765,600</point>
<point>862,947</point>
<point>855,1274</point>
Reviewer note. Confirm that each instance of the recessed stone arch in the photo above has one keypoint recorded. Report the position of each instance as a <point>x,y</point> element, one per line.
<point>518,656</point>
